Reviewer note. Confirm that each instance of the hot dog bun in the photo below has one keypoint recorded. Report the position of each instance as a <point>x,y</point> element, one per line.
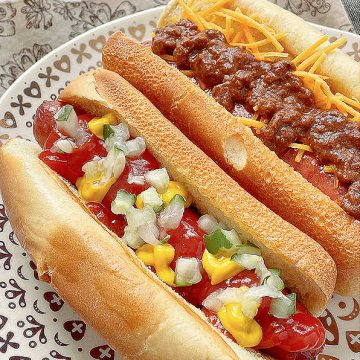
<point>241,154</point>
<point>95,273</point>
<point>342,70</point>
<point>101,278</point>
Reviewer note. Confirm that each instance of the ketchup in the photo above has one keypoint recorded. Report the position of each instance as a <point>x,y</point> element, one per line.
<point>114,222</point>
<point>299,337</point>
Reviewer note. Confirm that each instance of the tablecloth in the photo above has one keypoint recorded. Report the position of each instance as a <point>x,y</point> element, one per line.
<point>29,29</point>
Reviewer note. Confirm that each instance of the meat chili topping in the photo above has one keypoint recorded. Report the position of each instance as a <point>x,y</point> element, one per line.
<point>240,82</point>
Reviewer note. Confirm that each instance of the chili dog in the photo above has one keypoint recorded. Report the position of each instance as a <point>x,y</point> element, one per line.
<point>131,178</point>
<point>301,124</point>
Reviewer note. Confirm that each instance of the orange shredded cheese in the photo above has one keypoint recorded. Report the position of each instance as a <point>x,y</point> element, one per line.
<point>266,55</point>
<point>353,102</point>
<point>299,155</point>
<point>252,122</point>
<point>256,43</point>
<point>317,63</point>
<point>228,30</point>
<point>309,75</point>
<point>329,169</point>
<point>213,8</point>
<point>327,50</point>
<point>301,146</point>
<point>306,53</point>
<point>192,16</point>
<point>237,37</point>
<point>243,19</point>
<point>324,97</point>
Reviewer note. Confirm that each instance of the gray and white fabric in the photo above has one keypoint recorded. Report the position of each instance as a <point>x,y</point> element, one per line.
<point>29,29</point>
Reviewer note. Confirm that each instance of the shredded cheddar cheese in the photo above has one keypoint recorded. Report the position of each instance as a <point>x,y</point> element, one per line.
<point>299,155</point>
<point>255,44</point>
<point>191,15</point>
<point>243,19</point>
<point>317,63</point>
<point>329,169</point>
<point>217,6</point>
<point>306,53</point>
<point>301,146</point>
<point>266,55</point>
<point>326,50</point>
<point>252,122</point>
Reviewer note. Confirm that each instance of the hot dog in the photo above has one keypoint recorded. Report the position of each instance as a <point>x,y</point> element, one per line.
<point>301,124</point>
<point>136,177</point>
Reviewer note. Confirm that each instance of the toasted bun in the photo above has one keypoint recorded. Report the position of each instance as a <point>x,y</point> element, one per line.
<point>241,154</point>
<point>342,70</point>
<point>214,192</point>
<point>96,273</point>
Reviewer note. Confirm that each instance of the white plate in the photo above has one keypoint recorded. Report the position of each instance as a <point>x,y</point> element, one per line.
<point>34,322</point>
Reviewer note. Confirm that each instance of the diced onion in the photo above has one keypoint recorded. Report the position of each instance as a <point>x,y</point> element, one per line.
<point>135,179</point>
<point>284,306</point>
<point>132,239</point>
<point>149,233</point>
<point>212,302</point>
<point>121,134</point>
<point>113,165</point>
<point>171,216</point>
<point>262,291</point>
<point>248,249</point>
<point>137,217</point>
<point>151,198</point>
<point>64,145</point>
<point>67,121</point>
<point>217,299</point>
<point>122,202</point>
<point>232,236</point>
<point>91,168</point>
<point>208,223</point>
<point>274,281</point>
<point>135,147</point>
<point>159,179</point>
<point>187,271</point>
<point>247,261</point>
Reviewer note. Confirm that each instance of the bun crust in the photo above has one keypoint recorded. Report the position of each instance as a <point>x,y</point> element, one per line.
<point>96,273</point>
<point>233,146</point>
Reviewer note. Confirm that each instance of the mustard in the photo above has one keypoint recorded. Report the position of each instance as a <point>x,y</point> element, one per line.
<point>219,268</point>
<point>90,188</point>
<point>174,188</point>
<point>247,332</point>
<point>139,203</point>
<point>96,125</point>
<point>160,257</point>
